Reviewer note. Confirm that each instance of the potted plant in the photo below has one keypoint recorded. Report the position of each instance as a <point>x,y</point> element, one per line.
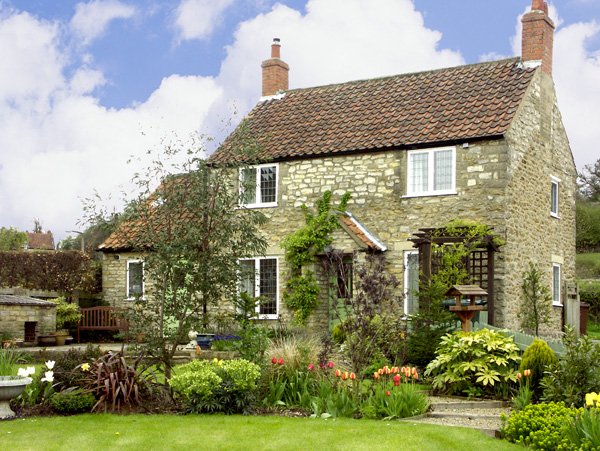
<point>65,313</point>
<point>11,384</point>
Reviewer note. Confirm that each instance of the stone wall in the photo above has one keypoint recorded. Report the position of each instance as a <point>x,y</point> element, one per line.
<point>114,278</point>
<point>13,318</point>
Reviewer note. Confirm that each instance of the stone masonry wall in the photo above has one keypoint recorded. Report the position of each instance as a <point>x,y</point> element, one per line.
<point>13,318</point>
<point>114,278</point>
<point>539,150</point>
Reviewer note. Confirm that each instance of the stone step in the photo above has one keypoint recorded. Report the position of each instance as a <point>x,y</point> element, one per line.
<point>464,405</point>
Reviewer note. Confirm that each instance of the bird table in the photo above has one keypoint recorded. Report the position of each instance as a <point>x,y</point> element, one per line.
<point>466,312</point>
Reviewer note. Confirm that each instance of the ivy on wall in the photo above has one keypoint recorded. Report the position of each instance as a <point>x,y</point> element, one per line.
<point>301,247</point>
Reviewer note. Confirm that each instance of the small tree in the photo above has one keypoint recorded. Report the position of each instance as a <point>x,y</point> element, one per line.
<point>536,308</point>
<point>12,239</point>
<point>191,232</point>
<point>373,295</point>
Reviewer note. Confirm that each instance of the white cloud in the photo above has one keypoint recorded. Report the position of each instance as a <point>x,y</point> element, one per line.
<point>91,19</point>
<point>196,19</point>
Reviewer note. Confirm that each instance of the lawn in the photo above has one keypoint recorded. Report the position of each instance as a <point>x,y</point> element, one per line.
<point>593,331</point>
<point>217,432</point>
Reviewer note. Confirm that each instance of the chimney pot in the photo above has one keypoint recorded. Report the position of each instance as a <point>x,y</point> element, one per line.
<point>275,73</point>
<point>538,37</point>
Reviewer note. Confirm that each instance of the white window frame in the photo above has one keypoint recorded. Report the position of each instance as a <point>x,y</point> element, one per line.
<point>257,285</point>
<point>554,182</point>
<point>406,281</point>
<point>129,296</point>
<point>431,173</point>
<point>556,297</point>
<point>257,203</point>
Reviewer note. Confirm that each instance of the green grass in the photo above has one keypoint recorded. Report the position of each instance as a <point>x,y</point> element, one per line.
<point>593,331</point>
<point>588,266</point>
<point>214,432</point>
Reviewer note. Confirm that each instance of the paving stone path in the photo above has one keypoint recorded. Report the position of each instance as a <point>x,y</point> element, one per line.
<point>481,415</point>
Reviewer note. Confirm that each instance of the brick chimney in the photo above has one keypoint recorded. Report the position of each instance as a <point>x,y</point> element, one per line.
<point>275,73</point>
<point>538,37</point>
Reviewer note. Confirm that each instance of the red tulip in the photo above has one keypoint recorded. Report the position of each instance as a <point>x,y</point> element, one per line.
<point>397,378</point>
<point>338,373</point>
<point>416,376</point>
<point>311,367</point>
<point>274,360</point>
<point>330,364</point>
<point>352,376</point>
<point>280,361</point>
<point>518,375</point>
<point>388,393</point>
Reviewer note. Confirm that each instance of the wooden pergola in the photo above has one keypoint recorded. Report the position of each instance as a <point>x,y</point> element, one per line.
<point>479,263</point>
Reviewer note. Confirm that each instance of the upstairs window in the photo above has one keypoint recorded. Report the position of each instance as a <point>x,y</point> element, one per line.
<point>431,172</point>
<point>554,197</point>
<point>259,278</point>
<point>135,279</point>
<point>258,186</point>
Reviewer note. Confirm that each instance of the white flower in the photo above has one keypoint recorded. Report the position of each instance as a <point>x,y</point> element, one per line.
<point>22,372</point>
<point>30,370</point>
<point>50,364</point>
<point>48,376</point>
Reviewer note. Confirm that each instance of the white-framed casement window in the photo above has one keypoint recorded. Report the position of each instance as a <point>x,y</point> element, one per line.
<point>258,186</point>
<point>431,172</point>
<point>554,192</point>
<point>411,282</point>
<point>135,279</point>
<point>556,300</point>
<point>260,277</point>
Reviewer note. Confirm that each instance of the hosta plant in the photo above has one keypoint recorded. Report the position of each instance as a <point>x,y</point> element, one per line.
<point>483,359</point>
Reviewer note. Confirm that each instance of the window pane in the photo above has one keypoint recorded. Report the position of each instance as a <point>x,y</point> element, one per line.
<point>556,284</point>
<point>412,282</point>
<point>249,186</point>
<point>268,286</point>
<point>248,277</point>
<point>554,207</point>
<point>443,170</point>
<point>136,275</point>
<point>418,178</point>
<point>268,184</point>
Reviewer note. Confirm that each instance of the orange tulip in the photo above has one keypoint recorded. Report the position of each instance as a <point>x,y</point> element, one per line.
<point>338,373</point>
<point>345,375</point>
<point>375,375</point>
<point>352,376</point>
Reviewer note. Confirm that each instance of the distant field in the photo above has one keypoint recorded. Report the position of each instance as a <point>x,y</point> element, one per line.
<point>588,266</point>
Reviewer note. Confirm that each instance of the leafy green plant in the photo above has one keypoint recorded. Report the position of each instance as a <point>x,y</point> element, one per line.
<point>217,386</point>
<point>540,426</point>
<point>9,357</point>
<point>523,398</point>
<point>537,357</point>
<point>300,249</point>
<point>66,371</point>
<point>253,344</point>
<point>485,359</point>
<point>576,373</point>
<point>66,312</point>
<point>536,309</point>
<point>72,402</point>
<point>589,291</point>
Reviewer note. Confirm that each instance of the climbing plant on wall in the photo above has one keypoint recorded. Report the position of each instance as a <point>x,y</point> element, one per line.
<point>300,249</point>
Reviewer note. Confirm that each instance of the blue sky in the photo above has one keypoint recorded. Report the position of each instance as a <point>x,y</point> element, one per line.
<point>86,85</point>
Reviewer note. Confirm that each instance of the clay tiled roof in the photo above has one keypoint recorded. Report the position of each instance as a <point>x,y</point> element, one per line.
<point>360,232</point>
<point>425,108</point>
<point>43,241</point>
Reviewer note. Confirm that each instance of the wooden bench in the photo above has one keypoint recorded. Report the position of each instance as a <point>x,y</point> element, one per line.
<point>103,318</point>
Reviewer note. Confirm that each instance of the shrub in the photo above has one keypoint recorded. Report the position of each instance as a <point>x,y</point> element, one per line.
<point>66,313</point>
<point>474,359</point>
<point>583,430</point>
<point>66,372</point>
<point>576,374</point>
<point>539,426</point>
<point>537,357</point>
<point>422,344</point>
<point>217,386</point>
<point>72,402</point>
<point>589,291</point>
<point>115,383</point>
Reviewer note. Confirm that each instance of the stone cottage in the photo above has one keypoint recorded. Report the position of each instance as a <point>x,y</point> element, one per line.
<point>482,142</point>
